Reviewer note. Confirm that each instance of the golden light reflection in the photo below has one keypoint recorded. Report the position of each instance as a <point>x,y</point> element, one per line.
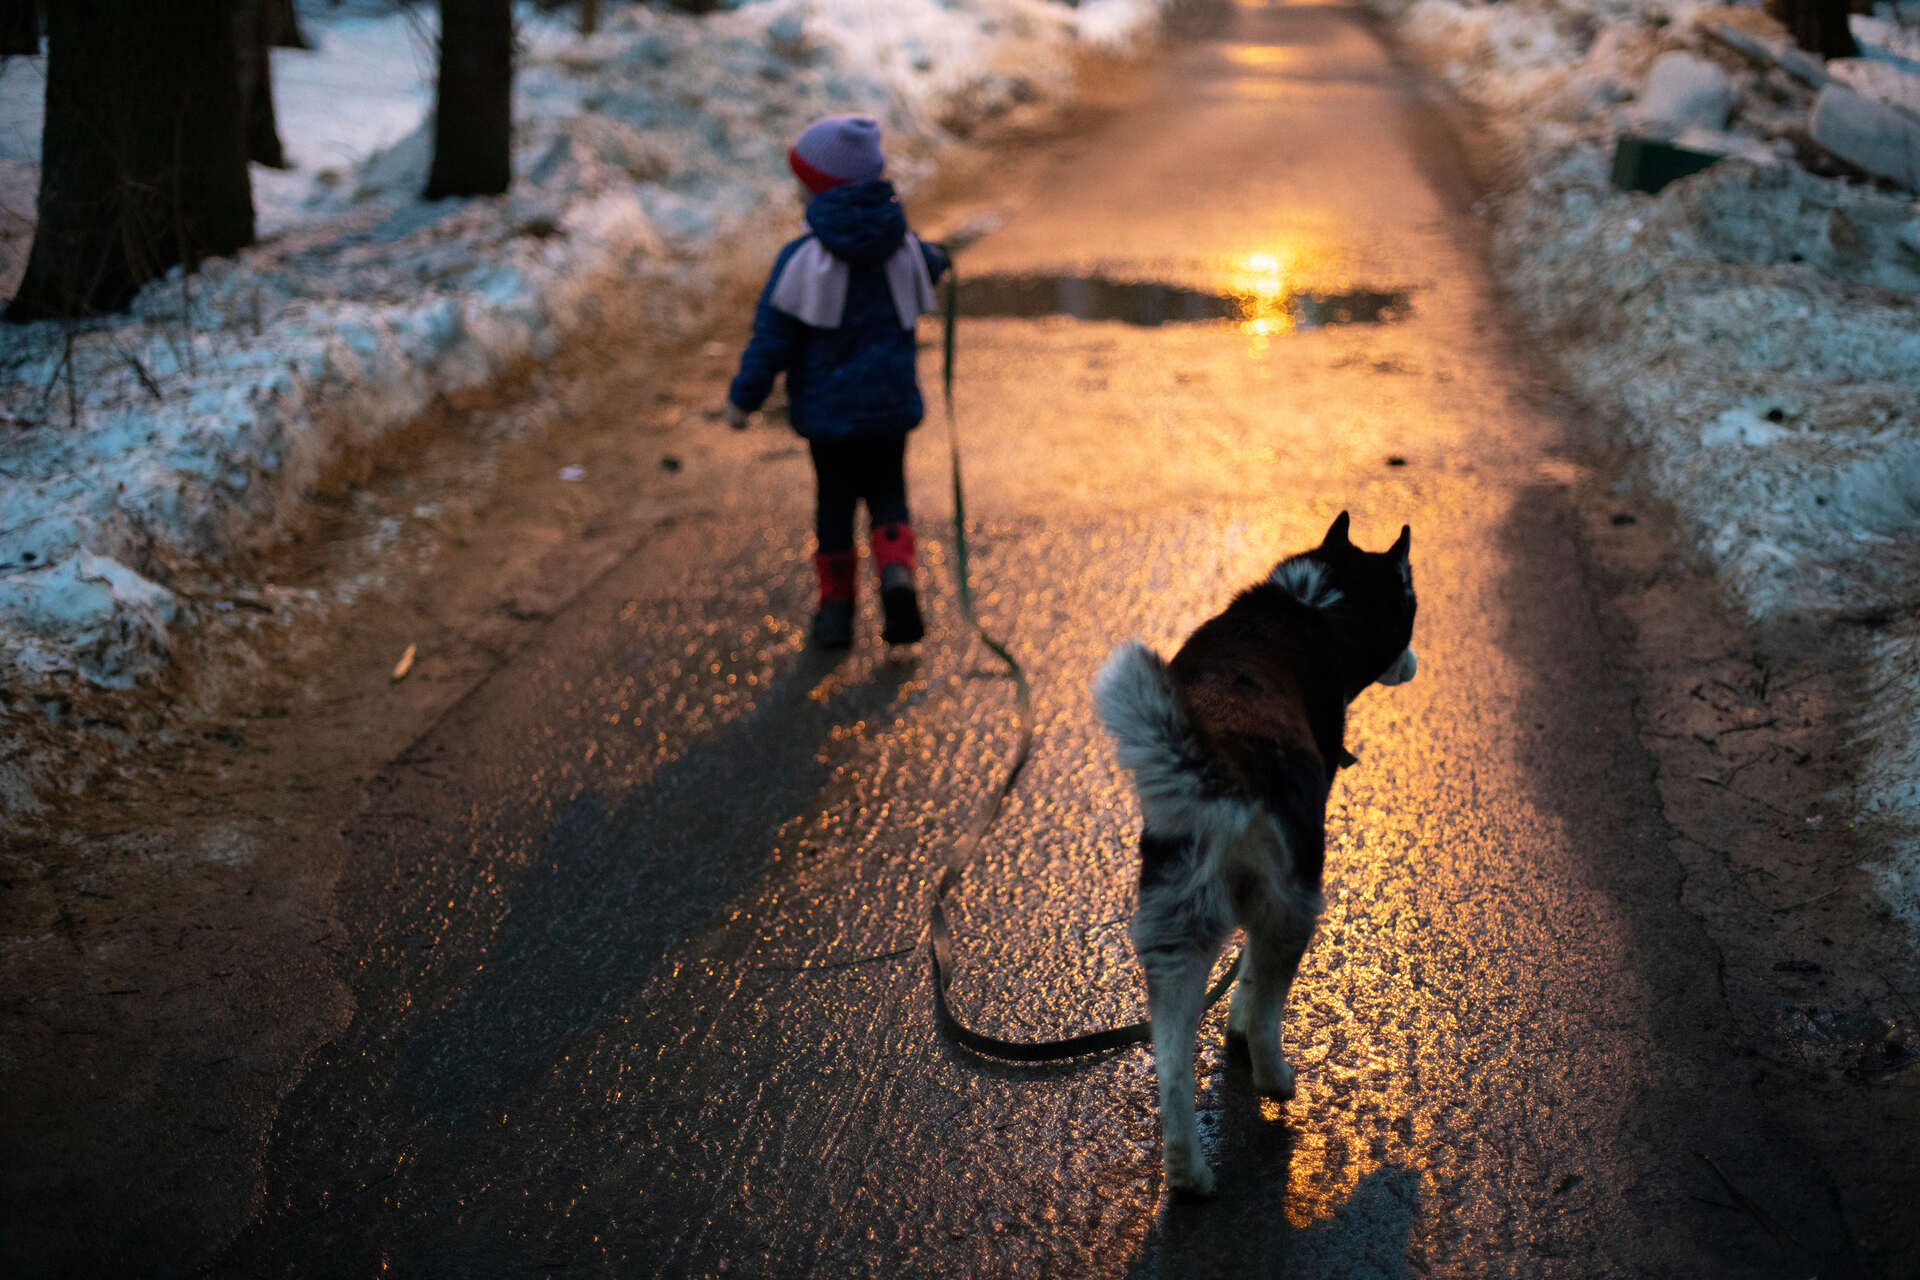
<point>1262,292</point>
<point>1325,1172</point>
<point>1266,57</point>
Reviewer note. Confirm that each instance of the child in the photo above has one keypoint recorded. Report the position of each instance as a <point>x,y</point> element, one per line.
<point>837,318</point>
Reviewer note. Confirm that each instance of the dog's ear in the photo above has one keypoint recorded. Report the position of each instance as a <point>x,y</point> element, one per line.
<point>1404,545</point>
<point>1337,533</point>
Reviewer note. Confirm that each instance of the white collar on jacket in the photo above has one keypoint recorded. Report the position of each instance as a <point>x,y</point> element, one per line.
<point>812,286</point>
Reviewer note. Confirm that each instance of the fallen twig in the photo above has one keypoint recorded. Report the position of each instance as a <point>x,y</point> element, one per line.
<point>1818,897</point>
<point>1899,995</point>
<point>1747,1202</point>
<point>235,599</point>
<point>1880,615</point>
<point>140,370</point>
<point>1747,763</point>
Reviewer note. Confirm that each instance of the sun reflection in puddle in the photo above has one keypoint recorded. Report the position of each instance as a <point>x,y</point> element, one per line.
<point>1264,294</point>
<point>1259,284</point>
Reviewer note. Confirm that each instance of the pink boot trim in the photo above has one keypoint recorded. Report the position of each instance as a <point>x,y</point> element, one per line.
<point>838,573</point>
<point>892,544</point>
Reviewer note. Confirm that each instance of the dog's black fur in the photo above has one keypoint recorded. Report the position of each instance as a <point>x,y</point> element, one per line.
<point>1233,746</point>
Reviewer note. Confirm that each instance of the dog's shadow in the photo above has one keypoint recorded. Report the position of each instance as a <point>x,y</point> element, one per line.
<point>1243,1229</point>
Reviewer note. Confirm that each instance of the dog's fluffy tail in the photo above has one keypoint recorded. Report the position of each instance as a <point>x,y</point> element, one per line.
<point>1134,697</point>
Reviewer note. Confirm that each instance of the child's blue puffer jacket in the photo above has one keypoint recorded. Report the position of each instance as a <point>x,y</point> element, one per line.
<point>857,380</point>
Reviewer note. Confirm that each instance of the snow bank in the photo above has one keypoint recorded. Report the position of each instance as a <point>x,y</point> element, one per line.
<point>139,452</point>
<point>1751,331</point>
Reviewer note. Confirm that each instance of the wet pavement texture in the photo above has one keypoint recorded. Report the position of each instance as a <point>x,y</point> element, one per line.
<point>638,931</point>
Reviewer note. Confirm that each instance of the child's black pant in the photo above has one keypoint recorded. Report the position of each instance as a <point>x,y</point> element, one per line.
<point>847,472</point>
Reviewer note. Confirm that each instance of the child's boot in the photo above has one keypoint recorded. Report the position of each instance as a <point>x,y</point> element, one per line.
<point>893,561</point>
<point>833,620</point>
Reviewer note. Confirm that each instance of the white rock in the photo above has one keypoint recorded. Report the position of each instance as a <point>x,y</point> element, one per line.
<point>1716,142</point>
<point>1870,134</point>
<point>1885,82</point>
<point>1681,92</point>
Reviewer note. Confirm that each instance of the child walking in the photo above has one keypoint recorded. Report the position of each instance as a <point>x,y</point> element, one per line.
<point>837,317</point>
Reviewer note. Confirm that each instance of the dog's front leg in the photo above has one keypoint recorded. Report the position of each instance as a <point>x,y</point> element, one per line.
<point>1176,998</point>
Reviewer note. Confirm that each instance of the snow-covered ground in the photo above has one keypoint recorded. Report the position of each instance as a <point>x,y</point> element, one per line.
<point>138,453</point>
<point>1750,333</point>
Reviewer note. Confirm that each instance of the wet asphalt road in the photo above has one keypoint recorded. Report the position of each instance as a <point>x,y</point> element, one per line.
<point>638,939</point>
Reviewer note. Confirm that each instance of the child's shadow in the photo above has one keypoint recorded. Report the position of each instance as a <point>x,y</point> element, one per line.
<point>1243,1228</point>
<point>621,879</point>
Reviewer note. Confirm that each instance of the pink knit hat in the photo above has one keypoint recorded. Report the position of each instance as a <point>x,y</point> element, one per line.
<point>838,150</point>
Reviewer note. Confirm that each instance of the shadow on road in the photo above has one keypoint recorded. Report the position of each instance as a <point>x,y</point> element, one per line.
<point>1592,773</point>
<point>1245,1228</point>
<point>610,893</point>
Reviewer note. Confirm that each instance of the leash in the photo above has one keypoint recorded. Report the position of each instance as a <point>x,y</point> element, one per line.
<point>961,854</point>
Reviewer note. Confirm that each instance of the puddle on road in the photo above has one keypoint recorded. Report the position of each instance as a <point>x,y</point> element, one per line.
<point>1261,310</point>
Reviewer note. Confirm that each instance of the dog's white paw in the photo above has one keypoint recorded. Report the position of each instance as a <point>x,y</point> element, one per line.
<point>1189,1174</point>
<point>1274,1080</point>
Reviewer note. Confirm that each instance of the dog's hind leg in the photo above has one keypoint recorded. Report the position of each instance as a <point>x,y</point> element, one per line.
<point>1176,997</point>
<point>1177,930</point>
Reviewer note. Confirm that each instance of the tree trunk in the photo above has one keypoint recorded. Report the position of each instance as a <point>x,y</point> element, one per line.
<point>1818,26</point>
<point>144,160</point>
<point>286,29</point>
<point>253,49</point>
<point>19,28</point>
<point>589,17</point>
<point>473,108</point>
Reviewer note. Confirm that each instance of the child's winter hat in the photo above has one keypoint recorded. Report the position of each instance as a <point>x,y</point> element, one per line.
<point>837,150</point>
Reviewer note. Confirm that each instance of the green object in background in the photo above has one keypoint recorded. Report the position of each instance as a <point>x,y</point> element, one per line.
<point>1647,164</point>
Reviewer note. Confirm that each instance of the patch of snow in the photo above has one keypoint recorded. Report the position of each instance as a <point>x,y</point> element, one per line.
<point>94,611</point>
<point>1115,24</point>
<point>382,63</point>
<point>229,845</point>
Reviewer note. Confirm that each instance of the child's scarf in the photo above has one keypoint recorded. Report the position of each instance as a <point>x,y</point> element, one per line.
<point>812,287</point>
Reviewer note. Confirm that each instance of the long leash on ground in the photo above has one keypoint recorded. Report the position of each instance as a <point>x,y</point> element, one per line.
<point>962,852</point>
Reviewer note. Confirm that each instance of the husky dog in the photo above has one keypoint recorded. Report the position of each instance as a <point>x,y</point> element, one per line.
<point>1233,747</point>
